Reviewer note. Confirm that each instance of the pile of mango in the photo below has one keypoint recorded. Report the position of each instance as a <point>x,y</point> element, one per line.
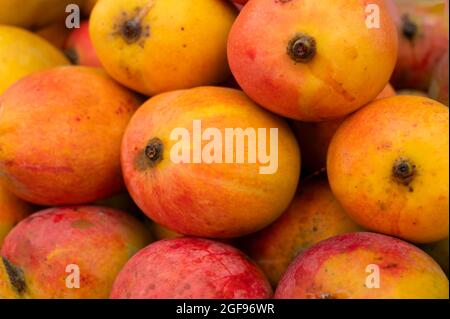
<point>224,149</point>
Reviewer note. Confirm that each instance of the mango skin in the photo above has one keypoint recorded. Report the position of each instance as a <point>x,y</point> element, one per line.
<point>99,240</point>
<point>60,136</point>
<point>334,82</point>
<point>336,269</point>
<point>190,268</point>
<point>12,211</point>
<point>207,200</point>
<point>23,53</point>
<point>313,215</point>
<point>34,13</point>
<point>6,289</point>
<point>362,156</point>
<point>182,43</point>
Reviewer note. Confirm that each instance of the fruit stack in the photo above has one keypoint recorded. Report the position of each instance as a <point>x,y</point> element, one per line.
<point>210,149</point>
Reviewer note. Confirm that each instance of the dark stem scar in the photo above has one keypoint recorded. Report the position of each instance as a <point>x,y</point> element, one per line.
<point>15,275</point>
<point>302,48</point>
<point>151,155</point>
<point>409,27</point>
<point>404,171</point>
<point>130,26</point>
<point>131,31</point>
<point>72,55</point>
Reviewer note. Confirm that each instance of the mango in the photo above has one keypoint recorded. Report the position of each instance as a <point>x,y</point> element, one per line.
<point>71,252</point>
<point>388,167</point>
<point>60,136</point>
<point>312,60</point>
<point>209,162</point>
<point>190,268</point>
<point>23,53</point>
<point>162,45</point>
<point>6,289</point>
<point>363,266</point>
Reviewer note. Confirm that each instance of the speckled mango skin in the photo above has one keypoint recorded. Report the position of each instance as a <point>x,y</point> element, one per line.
<point>334,83</point>
<point>336,269</point>
<point>217,200</point>
<point>314,215</point>
<point>99,240</point>
<point>12,211</point>
<point>182,43</point>
<point>360,165</point>
<point>23,53</point>
<point>60,136</point>
<point>190,268</point>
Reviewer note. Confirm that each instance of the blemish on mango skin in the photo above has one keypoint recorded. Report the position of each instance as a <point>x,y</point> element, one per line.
<point>16,276</point>
<point>130,27</point>
<point>409,28</point>
<point>40,168</point>
<point>82,224</point>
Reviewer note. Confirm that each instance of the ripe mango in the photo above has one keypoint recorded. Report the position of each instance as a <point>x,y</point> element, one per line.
<point>190,268</point>
<point>388,167</point>
<point>210,197</point>
<point>91,243</point>
<point>22,53</point>
<point>60,135</point>
<point>363,266</point>
<point>154,46</point>
<point>312,60</point>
